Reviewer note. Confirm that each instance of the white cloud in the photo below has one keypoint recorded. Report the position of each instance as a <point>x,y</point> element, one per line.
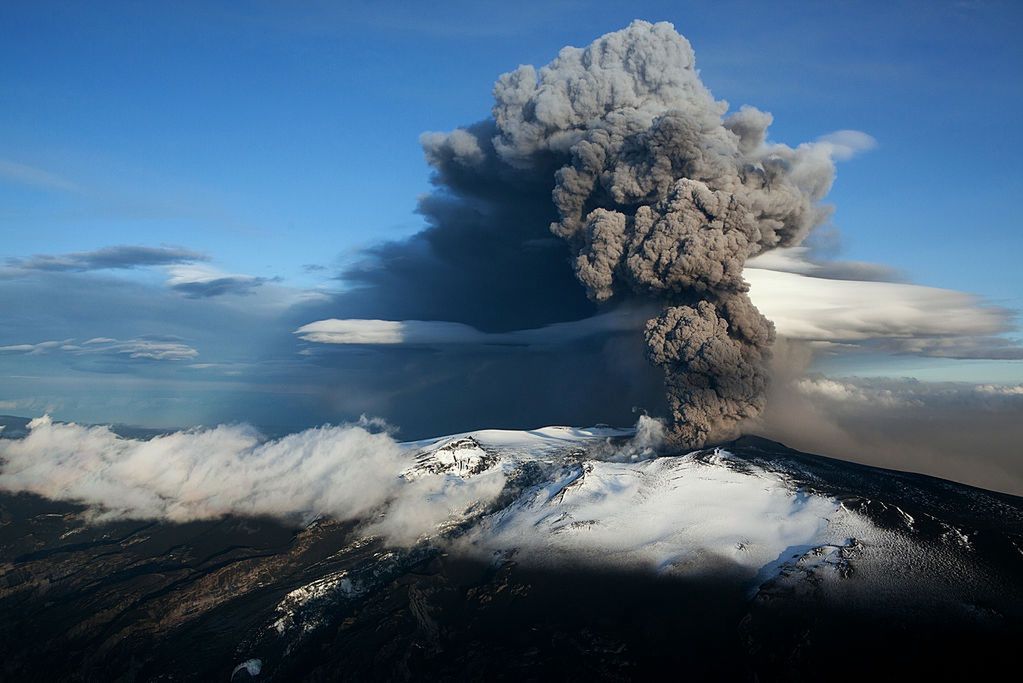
<point>799,260</point>
<point>439,333</point>
<point>425,332</point>
<point>1001,389</point>
<point>200,281</point>
<point>845,144</point>
<point>40,347</point>
<point>905,318</point>
<point>847,392</point>
<point>202,474</point>
<point>345,472</point>
<point>148,348</point>
<point>151,349</point>
<point>785,260</point>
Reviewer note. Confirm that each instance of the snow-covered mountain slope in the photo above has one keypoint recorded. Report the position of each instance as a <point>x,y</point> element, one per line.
<point>669,515</point>
<point>594,497</point>
<point>584,553</point>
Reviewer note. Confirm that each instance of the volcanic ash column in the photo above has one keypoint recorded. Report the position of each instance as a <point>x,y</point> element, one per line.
<point>661,196</point>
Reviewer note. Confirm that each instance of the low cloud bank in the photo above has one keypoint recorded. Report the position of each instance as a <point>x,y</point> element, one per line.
<point>347,472</point>
<point>344,471</point>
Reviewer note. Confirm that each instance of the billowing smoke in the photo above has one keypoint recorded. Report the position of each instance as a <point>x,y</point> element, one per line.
<point>659,195</point>
<point>341,471</point>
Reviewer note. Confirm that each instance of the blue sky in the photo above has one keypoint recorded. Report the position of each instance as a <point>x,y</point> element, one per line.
<point>279,139</point>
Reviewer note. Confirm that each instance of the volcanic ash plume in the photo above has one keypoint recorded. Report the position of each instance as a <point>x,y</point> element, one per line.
<point>660,195</point>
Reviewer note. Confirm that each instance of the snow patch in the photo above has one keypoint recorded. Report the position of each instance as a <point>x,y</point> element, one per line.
<point>671,514</point>
<point>332,586</point>
<point>250,666</point>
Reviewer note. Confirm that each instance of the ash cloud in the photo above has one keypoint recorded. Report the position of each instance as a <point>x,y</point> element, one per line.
<point>965,432</point>
<point>657,194</point>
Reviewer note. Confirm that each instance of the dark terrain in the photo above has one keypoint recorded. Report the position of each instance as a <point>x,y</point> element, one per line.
<point>130,601</point>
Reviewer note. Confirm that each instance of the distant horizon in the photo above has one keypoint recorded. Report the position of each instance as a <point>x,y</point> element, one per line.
<point>139,432</point>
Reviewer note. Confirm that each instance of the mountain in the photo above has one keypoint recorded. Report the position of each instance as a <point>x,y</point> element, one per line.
<point>593,559</point>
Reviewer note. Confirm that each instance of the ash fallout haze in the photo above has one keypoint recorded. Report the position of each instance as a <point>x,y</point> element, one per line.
<point>257,259</point>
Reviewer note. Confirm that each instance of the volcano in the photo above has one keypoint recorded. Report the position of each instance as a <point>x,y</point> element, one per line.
<point>600,558</point>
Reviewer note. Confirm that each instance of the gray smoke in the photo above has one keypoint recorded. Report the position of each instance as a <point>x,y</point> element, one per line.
<point>659,195</point>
